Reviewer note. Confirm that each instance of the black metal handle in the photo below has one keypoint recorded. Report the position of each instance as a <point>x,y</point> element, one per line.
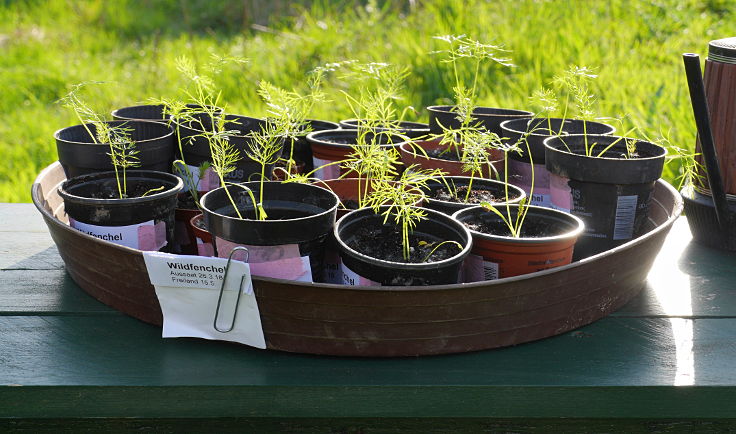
<point>702,120</point>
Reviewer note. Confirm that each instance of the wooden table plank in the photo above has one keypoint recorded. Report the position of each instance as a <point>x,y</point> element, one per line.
<point>23,217</point>
<point>48,292</point>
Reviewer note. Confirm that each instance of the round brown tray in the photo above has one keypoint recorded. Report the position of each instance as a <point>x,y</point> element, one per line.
<point>386,321</point>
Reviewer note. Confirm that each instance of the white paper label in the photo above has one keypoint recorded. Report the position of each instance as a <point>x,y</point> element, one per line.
<point>142,236</point>
<point>188,288</point>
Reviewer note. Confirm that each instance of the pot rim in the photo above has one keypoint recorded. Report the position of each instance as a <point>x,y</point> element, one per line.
<point>406,265</point>
<point>420,143</point>
<point>549,145</point>
<point>202,203</point>
<point>163,124</point>
<point>227,117</point>
<point>178,187</point>
<point>505,125</point>
<point>572,234</point>
<point>487,180</point>
<point>404,125</point>
<point>515,113</point>
<point>314,138</point>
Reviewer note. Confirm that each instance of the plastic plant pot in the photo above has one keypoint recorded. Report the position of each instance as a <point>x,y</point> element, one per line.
<point>202,238</point>
<point>335,145</point>
<point>414,153</point>
<point>496,189</point>
<point>289,244</point>
<point>349,190</point>
<point>610,193</point>
<point>148,112</point>
<point>196,151</point>
<point>496,254</point>
<point>412,130</point>
<point>703,221</point>
<point>140,222</point>
<point>361,269</point>
<point>490,118</point>
<point>536,131</point>
<point>302,150</point>
<point>79,154</point>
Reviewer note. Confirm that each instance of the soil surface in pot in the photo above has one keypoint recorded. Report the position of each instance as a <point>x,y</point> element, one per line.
<point>135,189</point>
<point>530,229</point>
<point>476,195</point>
<point>384,242</point>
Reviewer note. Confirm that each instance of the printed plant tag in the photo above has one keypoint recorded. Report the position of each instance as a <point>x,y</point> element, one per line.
<point>541,195</point>
<point>142,236</point>
<point>281,262</point>
<point>188,288</point>
<point>351,278</point>
<point>325,173</point>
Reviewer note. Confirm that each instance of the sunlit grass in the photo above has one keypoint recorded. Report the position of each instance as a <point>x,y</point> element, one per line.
<point>46,47</point>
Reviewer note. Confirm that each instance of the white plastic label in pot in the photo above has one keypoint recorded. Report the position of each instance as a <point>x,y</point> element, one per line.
<point>148,235</point>
<point>188,288</point>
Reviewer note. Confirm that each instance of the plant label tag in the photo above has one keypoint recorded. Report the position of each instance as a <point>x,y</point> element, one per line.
<point>188,289</point>
<point>477,269</point>
<point>208,181</point>
<point>148,235</point>
<point>280,262</point>
<point>325,173</point>
<point>522,177</point>
<point>351,278</point>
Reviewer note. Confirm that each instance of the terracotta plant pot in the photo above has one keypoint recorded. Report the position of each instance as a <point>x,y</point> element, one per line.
<point>497,189</point>
<point>412,130</point>
<point>610,193</point>
<point>410,155</point>
<point>489,117</point>
<point>498,256</point>
<point>335,145</point>
<point>520,167</point>
<point>202,238</point>
<point>361,269</point>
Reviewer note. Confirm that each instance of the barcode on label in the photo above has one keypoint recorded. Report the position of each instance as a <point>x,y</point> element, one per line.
<point>625,213</point>
<point>490,270</point>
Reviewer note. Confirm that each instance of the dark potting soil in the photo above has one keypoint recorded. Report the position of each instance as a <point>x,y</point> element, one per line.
<point>476,195</point>
<point>350,204</point>
<point>443,154</point>
<point>532,228</point>
<point>384,242</point>
<point>135,189</point>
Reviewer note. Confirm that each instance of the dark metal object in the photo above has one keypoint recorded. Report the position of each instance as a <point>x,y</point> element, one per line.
<point>702,120</point>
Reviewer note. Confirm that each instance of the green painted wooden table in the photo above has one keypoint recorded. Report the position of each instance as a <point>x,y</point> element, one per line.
<point>666,361</point>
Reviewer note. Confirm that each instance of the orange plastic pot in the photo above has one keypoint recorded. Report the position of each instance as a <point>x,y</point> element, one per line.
<point>410,155</point>
<point>499,256</point>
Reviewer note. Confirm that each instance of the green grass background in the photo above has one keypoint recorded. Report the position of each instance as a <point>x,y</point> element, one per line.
<point>46,46</point>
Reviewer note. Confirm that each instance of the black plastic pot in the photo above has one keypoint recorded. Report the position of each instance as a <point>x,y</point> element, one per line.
<point>497,188</point>
<point>298,214</point>
<point>435,227</point>
<point>109,211</point>
<point>149,112</point>
<point>489,117</point>
<point>703,222</point>
<point>79,154</point>
<point>197,149</point>
<point>412,130</point>
<point>610,193</point>
<point>520,167</point>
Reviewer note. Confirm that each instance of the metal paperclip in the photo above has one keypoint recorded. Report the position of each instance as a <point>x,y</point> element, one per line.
<point>222,290</point>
